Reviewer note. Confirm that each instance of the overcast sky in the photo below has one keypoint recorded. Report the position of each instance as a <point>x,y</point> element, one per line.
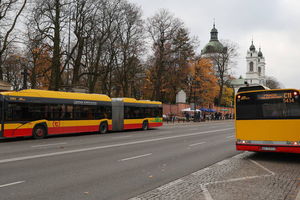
<point>274,25</point>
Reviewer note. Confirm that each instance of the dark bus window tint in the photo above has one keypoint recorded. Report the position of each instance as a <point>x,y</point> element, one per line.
<point>77,111</point>
<point>17,112</point>
<point>148,112</point>
<point>156,112</point>
<point>85,113</point>
<point>142,113</point>
<point>273,110</point>
<point>36,111</point>
<point>100,112</point>
<point>69,112</point>
<point>108,112</point>
<point>276,108</point>
<point>293,110</point>
<point>103,112</point>
<point>248,111</point>
<point>127,112</point>
<point>56,112</point>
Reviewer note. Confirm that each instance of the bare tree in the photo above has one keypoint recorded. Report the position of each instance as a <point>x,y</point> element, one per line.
<point>130,42</point>
<point>161,28</point>
<point>272,83</point>
<point>10,12</point>
<point>13,69</point>
<point>99,42</point>
<point>223,62</point>
<point>50,18</point>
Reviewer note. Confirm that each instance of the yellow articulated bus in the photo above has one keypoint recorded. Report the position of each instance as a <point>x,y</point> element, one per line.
<point>39,113</point>
<point>268,120</point>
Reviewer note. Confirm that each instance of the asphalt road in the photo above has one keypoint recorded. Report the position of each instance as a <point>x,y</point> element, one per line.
<point>117,165</point>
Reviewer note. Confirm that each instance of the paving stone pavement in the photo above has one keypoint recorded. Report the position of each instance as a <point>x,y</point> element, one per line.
<point>253,176</point>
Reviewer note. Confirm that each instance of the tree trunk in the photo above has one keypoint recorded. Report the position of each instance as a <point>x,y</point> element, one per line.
<point>77,64</point>
<point>55,73</point>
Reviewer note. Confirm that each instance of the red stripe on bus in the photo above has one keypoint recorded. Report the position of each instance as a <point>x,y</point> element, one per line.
<point>17,132</point>
<point>72,129</point>
<point>156,124</point>
<point>52,131</point>
<point>132,126</point>
<point>286,149</point>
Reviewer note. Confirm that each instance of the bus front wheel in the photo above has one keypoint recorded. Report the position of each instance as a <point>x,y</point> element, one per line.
<point>39,132</point>
<point>103,129</point>
<point>145,126</point>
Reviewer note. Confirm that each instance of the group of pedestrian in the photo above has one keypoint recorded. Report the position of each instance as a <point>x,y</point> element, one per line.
<point>197,116</point>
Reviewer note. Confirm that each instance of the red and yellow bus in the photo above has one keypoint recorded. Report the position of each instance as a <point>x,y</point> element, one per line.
<point>39,113</point>
<point>129,113</point>
<point>268,120</point>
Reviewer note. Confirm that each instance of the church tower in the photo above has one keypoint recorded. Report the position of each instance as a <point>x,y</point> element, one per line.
<point>255,66</point>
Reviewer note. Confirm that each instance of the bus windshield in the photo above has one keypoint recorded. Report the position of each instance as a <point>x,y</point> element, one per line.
<point>281,104</point>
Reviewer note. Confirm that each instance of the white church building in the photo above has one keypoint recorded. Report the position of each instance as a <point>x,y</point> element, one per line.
<point>255,66</point>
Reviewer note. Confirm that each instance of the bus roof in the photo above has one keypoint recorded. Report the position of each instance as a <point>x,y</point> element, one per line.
<point>269,90</point>
<point>133,100</point>
<point>57,95</point>
<point>252,88</point>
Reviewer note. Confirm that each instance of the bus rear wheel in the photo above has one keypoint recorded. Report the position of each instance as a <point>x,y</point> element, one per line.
<point>103,129</point>
<point>145,126</point>
<point>39,132</point>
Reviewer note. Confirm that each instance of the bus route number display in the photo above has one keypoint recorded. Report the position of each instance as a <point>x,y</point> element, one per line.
<point>287,97</point>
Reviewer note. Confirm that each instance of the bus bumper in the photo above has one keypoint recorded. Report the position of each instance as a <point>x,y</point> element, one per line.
<point>268,148</point>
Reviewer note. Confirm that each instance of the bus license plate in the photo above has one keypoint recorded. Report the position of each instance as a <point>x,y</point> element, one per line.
<point>268,148</point>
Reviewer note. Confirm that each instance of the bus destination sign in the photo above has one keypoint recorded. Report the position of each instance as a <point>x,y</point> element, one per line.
<point>270,96</point>
<point>287,97</point>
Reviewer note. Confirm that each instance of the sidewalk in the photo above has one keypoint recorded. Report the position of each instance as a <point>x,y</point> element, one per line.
<point>253,176</point>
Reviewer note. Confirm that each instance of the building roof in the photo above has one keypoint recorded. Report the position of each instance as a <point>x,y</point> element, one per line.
<point>214,45</point>
<point>260,54</point>
<point>252,47</point>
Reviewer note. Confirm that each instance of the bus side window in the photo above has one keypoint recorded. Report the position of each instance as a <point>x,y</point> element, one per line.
<point>99,112</point>
<point>69,112</point>
<point>55,112</point>
<point>142,112</point>
<point>108,112</point>
<point>126,112</point>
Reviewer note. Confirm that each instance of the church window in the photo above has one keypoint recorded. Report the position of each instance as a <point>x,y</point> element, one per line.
<point>259,71</point>
<point>251,54</point>
<point>251,66</point>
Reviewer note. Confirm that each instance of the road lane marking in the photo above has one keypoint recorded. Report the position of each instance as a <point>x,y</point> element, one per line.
<point>120,137</point>
<point>107,146</point>
<point>9,184</point>
<point>230,136</point>
<point>191,145</point>
<point>135,157</point>
<point>46,145</point>
<point>194,129</point>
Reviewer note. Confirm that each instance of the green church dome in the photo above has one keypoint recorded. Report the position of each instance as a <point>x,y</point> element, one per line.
<point>214,45</point>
